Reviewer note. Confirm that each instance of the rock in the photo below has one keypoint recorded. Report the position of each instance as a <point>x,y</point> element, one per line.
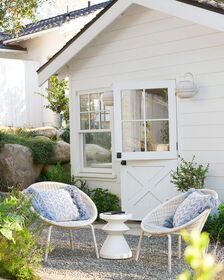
<point>17,167</point>
<point>97,153</point>
<point>61,152</point>
<point>43,138</point>
<point>47,131</point>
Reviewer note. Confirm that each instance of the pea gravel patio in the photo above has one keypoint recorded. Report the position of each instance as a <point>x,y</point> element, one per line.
<point>80,264</point>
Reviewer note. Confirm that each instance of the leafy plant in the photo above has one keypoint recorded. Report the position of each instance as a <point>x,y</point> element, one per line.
<point>189,175</point>
<point>20,255</point>
<point>58,101</point>
<point>65,134</point>
<point>215,225</point>
<point>42,149</point>
<point>204,265</point>
<point>57,174</point>
<point>104,200</point>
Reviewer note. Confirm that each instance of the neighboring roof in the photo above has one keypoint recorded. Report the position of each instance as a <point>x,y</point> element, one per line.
<point>9,48</point>
<point>57,21</point>
<point>210,5</point>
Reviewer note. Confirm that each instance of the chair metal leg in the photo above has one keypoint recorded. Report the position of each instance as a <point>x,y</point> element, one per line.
<point>94,240</point>
<point>179,246</point>
<point>48,243</point>
<point>139,245</point>
<point>169,252</point>
<point>71,239</point>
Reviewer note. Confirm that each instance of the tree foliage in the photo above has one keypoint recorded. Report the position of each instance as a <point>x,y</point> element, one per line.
<point>14,13</point>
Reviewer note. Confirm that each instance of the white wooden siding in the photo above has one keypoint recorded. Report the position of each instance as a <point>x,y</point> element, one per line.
<point>147,45</point>
<point>20,106</point>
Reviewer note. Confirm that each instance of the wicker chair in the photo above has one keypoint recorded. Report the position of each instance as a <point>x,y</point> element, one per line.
<point>152,224</point>
<point>70,225</point>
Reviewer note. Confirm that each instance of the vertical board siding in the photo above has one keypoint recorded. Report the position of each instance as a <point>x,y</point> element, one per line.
<point>20,106</point>
<point>155,46</point>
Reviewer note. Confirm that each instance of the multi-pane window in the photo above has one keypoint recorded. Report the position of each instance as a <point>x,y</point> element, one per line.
<point>145,120</point>
<point>95,131</point>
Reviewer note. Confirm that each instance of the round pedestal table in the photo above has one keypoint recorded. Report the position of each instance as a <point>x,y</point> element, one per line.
<point>115,245</point>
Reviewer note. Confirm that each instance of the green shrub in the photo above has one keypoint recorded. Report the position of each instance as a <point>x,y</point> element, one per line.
<point>104,200</point>
<point>42,149</point>
<point>65,134</point>
<point>20,255</point>
<point>215,225</point>
<point>189,175</point>
<point>57,174</point>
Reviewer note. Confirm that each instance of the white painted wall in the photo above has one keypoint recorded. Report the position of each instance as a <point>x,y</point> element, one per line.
<point>19,104</point>
<point>147,45</point>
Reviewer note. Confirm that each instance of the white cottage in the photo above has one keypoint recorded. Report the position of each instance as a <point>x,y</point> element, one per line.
<point>162,61</point>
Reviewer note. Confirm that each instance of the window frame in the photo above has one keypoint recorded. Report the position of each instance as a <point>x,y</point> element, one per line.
<point>151,155</point>
<point>91,170</point>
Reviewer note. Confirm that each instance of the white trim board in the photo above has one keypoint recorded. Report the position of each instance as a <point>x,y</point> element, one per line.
<point>179,9</point>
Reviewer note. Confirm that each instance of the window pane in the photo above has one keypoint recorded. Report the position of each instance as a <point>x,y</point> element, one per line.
<point>133,137</point>
<point>157,136</point>
<point>156,103</point>
<point>84,103</point>
<point>105,120</point>
<point>97,150</point>
<point>94,120</point>
<point>103,107</point>
<point>94,102</point>
<point>132,104</point>
<point>84,120</point>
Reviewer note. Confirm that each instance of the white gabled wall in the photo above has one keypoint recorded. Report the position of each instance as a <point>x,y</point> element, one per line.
<point>144,44</point>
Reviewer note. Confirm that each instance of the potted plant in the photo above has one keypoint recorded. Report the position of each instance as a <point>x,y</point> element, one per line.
<point>189,175</point>
<point>57,99</point>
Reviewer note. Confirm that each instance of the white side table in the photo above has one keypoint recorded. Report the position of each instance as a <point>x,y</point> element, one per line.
<point>115,245</point>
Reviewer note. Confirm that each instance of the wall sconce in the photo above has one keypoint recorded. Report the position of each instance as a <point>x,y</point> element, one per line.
<point>186,87</point>
<point>108,99</point>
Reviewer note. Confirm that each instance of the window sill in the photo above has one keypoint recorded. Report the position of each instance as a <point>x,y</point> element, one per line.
<point>96,175</point>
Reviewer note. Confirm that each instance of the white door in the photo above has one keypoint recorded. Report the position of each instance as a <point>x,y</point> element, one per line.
<point>144,186</point>
<point>146,143</point>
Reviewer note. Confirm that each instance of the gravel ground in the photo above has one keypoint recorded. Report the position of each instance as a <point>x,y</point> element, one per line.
<point>80,264</point>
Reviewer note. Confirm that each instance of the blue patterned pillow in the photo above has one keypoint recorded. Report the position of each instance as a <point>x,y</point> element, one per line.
<point>191,207</point>
<point>55,205</point>
<point>78,201</point>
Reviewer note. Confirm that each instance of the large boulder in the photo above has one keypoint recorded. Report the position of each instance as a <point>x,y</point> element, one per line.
<point>96,153</point>
<point>61,152</point>
<point>47,131</point>
<point>17,167</point>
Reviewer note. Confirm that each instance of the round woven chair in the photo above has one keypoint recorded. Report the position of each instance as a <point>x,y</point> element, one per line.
<point>69,225</point>
<point>152,223</point>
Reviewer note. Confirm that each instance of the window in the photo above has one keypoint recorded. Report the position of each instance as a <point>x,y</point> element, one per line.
<point>95,133</point>
<point>146,121</point>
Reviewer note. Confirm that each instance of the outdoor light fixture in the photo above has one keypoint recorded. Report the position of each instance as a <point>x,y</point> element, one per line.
<point>108,98</point>
<point>186,87</point>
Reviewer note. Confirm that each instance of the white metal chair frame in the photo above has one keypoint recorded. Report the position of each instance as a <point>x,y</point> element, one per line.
<point>152,224</point>
<point>70,225</point>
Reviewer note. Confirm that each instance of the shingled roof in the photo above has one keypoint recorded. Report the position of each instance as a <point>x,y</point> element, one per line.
<point>57,21</point>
